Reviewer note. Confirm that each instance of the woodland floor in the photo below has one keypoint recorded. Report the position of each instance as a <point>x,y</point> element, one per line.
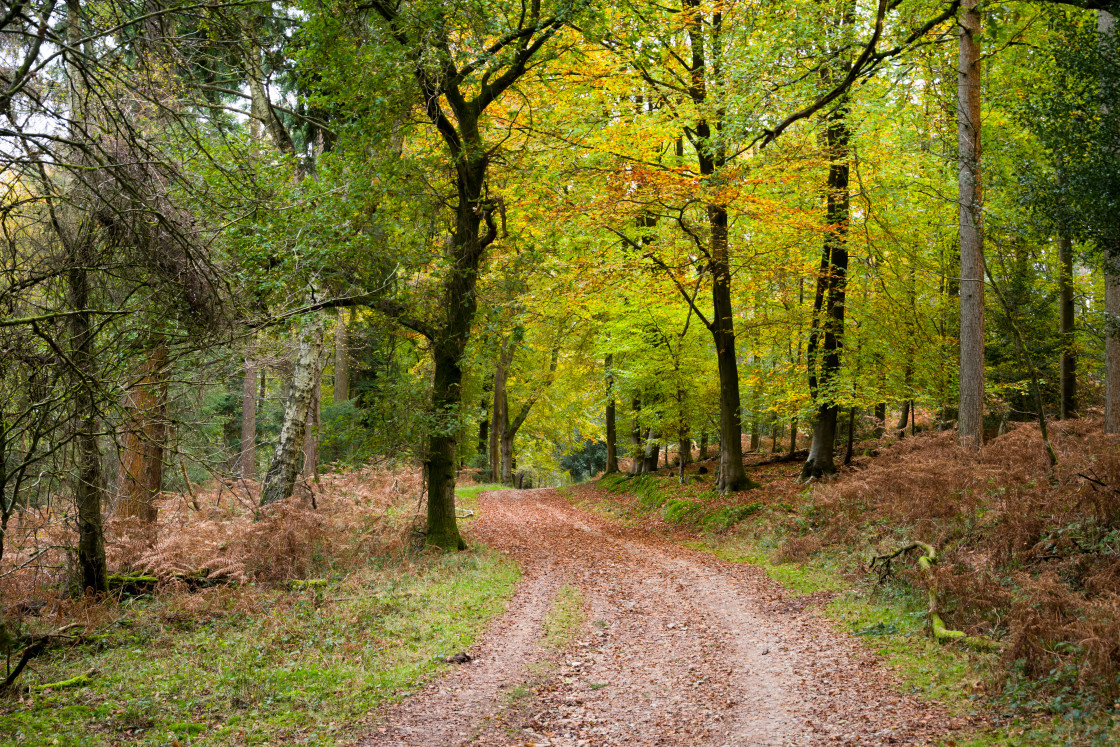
<point>673,647</point>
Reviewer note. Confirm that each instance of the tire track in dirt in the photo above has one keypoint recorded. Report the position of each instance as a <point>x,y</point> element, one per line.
<point>680,649</point>
<point>450,710</point>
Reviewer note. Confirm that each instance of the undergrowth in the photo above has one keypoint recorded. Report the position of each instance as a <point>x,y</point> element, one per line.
<point>287,629</point>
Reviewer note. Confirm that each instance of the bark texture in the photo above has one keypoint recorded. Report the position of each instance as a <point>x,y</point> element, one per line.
<point>142,443</point>
<point>970,199</point>
<point>247,461</point>
<point>342,357</point>
<point>826,336</point>
<point>81,255</point>
<point>1068,367</point>
<point>1106,27</point>
<point>612,436</point>
<point>288,458</point>
<point>637,451</point>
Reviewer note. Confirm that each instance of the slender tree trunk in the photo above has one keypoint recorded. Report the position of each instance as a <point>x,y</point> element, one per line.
<point>500,421</point>
<point>880,419</point>
<point>482,448</point>
<point>732,474</point>
<point>311,440</point>
<point>280,480</point>
<point>247,462</point>
<point>612,436</point>
<point>142,444</point>
<point>711,157</point>
<point>507,457</point>
<point>775,433</point>
<point>1112,344</point>
<point>756,419</point>
<point>832,281</point>
<point>1106,28</point>
<point>92,571</point>
<point>1068,397</point>
<point>851,436</point>
<point>636,452</point>
<point>87,488</point>
<point>793,435</point>
<point>970,197</point>
<point>703,445</point>
<point>342,356</point>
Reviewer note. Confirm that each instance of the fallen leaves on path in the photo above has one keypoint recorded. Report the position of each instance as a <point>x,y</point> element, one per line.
<point>679,649</point>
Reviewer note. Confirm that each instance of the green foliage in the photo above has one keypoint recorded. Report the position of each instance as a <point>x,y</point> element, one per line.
<point>678,511</point>
<point>728,517</point>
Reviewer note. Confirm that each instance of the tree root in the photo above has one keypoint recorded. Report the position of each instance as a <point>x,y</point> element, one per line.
<point>941,633</point>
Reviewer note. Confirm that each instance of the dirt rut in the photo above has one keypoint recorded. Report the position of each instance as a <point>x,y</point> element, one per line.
<point>679,649</point>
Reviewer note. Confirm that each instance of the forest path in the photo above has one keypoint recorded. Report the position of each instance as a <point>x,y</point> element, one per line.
<point>679,648</point>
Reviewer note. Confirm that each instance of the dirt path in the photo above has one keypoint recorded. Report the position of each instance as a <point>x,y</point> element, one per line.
<point>679,649</point>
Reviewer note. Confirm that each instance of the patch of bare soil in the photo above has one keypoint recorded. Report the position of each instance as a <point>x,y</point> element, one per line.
<point>680,649</point>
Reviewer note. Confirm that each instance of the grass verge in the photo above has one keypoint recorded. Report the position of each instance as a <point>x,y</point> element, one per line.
<point>253,665</point>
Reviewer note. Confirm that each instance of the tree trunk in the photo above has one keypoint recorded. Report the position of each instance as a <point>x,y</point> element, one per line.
<point>342,356</point>
<point>1106,28</point>
<point>449,343</point>
<point>902,420</point>
<point>652,451</point>
<point>482,448</point>
<point>880,419</point>
<point>1112,342</point>
<point>507,457</point>
<point>732,474</point>
<point>142,443</point>
<point>1068,397</point>
<point>247,461</point>
<point>92,573</point>
<point>636,453</point>
<point>793,434</point>
<point>711,157</point>
<point>311,439</point>
<point>612,447</point>
<point>851,436</point>
<point>756,419</point>
<point>287,460</point>
<point>87,489</point>
<point>703,445</point>
<point>970,198</point>
<point>832,280</point>
<point>499,424</point>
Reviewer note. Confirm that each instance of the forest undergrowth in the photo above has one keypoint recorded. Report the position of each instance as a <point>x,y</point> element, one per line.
<point>229,624</point>
<point>1028,557</point>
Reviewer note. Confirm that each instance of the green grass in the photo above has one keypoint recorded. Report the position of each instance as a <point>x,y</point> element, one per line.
<point>466,496</point>
<point>564,619</point>
<point>264,666</point>
<point>800,578</point>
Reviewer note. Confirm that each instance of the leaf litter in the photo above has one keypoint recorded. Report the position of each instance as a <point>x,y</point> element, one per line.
<point>681,649</point>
